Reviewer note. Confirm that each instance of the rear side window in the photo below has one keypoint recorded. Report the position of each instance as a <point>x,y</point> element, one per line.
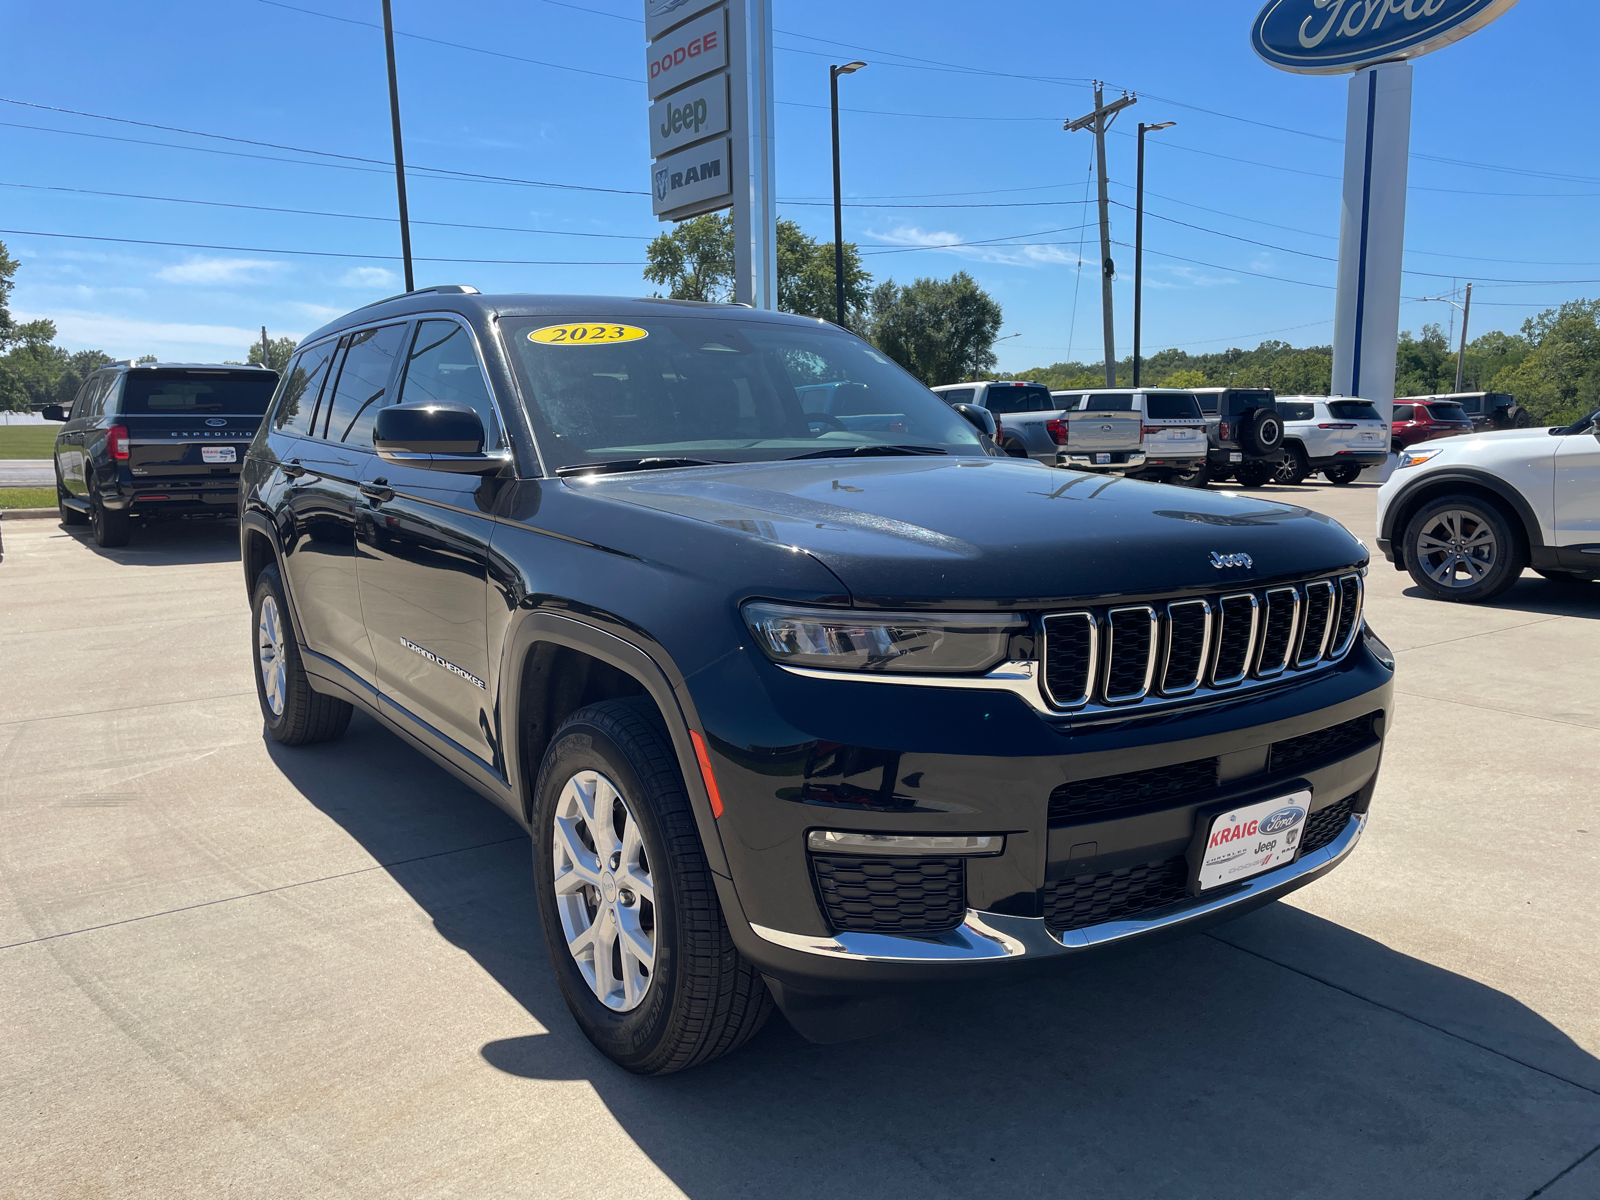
<point>443,367</point>
<point>182,393</point>
<point>363,384</point>
<point>1402,412</point>
<point>1290,410</point>
<point>1348,410</point>
<point>1006,399</point>
<point>1447,412</point>
<point>1208,403</point>
<point>1472,404</point>
<point>297,410</point>
<point>957,395</point>
<point>1110,402</point>
<point>1165,406</point>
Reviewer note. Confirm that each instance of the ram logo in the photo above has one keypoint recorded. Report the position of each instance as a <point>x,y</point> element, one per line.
<point>661,185</point>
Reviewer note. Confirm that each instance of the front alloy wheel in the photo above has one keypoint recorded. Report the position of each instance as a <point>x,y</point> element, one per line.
<point>1463,548</point>
<point>270,653</point>
<point>603,889</point>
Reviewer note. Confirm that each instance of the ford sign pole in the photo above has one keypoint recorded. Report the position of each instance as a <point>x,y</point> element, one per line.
<point>1376,42</point>
<point>755,203</point>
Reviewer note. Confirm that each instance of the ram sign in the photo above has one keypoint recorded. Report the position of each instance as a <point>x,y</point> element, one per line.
<point>700,177</point>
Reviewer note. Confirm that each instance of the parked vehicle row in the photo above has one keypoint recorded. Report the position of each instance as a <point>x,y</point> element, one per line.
<point>1338,437</point>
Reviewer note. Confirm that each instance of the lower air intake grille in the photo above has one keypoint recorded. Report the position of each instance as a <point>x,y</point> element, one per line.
<point>1135,789</point>
<point>1113,895</point>
<point>892,895</point>
<point>1334,741</point>
<point>1326,824</point>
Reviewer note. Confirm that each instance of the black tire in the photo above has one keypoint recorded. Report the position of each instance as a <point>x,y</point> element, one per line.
<point>1261,432</point>
<point>1522,420</point>
<point>701,999</point>
<point>110,528</point>
<point>1397,447</point>
<point>1564,576</point>
<point>1292,468</point>
<point>1254,474</point>
<point>1015,449</point>
<point>1438,534</point>
<point>304,716</point>
<point>69,515</point>
<point>1195,477</point>
<point>1340,476</point>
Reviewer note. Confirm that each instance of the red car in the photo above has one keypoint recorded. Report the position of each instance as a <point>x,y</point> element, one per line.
<point>1415,422</point>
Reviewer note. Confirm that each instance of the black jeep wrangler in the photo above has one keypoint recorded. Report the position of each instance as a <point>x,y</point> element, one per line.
<point>1245,434</point>
<point>813,710</point>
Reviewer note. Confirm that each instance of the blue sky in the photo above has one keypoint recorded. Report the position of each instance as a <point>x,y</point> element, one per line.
<point>952,133</point>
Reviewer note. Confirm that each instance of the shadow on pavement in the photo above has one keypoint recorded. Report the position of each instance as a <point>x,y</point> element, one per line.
<point>1282,1055</point>
<point>1534,594</point>
<point>168,543</point>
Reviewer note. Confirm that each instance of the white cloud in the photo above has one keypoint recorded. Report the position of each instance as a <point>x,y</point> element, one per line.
<point>948,243</point>
<point>367,277</point>
<point>320,313</point>
<point>122,337</point>
<point>205,271</point>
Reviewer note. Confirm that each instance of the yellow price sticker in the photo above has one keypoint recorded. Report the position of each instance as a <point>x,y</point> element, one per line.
<point>587,334</point>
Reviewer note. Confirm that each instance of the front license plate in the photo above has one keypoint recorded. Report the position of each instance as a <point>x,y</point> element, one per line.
<point>218,454</point>
<point>1236,456</point>
<point>1101,458</point>
<point>1258,837</point>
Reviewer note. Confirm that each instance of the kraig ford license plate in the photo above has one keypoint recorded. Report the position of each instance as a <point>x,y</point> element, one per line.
<point>1102,459</point>
<point>1247,841</point>
<point>218,454</point>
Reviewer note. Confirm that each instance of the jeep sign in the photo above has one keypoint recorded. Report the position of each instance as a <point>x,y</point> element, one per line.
<point>700,173</point>
<point>698,111</point>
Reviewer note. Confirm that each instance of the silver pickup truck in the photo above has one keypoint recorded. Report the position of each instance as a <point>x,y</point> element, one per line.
<point>1155,433</point>
<point>1098,431</point>
<point>1024,410</point>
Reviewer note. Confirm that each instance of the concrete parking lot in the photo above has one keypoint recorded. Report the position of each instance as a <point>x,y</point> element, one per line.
<point>232,969</point>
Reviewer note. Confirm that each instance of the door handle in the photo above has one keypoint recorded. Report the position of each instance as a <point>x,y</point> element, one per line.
<point>292,468</point>
<point>377,491</point>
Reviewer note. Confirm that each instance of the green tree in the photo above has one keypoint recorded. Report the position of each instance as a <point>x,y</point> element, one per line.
<point>1423,366</point>
<point>1559,379</point>
<point>279,351</point>
<point>941,330</point>
<point>694,261</point>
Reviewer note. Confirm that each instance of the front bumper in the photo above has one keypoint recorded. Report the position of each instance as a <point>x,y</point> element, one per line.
<point>1231,458</point>
<point>1345,458</point>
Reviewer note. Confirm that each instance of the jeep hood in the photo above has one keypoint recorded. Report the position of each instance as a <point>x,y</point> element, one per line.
<point>937,532</point>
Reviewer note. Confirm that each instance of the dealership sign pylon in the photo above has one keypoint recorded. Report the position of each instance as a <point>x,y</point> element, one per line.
<point>1375,40</point>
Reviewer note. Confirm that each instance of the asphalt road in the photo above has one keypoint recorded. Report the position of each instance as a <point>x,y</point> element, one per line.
<point>231,969</point>
<point>27,472</point>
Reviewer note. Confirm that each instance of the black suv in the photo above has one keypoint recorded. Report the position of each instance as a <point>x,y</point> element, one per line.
<point>795,710</point>
<point>156,441</point>
<point>1245,433</point>
<point>1488,410</point>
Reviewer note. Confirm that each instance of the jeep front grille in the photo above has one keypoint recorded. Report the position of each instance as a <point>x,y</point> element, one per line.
<point>1139,654</point>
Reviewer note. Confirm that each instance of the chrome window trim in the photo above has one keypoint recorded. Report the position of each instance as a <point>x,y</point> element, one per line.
<point>1339,652</point>
<point>1299,658</point>
<point>1111,654</point>
<point>1263,669</point>
<point>1205,650</point>
<point>986,936</point>
<point>1054,702</point>
<point>1250,644</point>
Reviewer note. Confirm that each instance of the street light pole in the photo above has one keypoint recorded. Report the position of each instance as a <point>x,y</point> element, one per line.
<point>399,156</point>
<point>1466,311</point>
<point>1138,246</point>
<point>838,202</point>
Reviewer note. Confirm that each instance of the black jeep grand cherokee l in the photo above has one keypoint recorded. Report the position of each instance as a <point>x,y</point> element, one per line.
<point>812,709</point>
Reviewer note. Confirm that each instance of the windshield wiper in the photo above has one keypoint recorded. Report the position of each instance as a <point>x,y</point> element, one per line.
<point>653,463</point>
<point>869,451</point>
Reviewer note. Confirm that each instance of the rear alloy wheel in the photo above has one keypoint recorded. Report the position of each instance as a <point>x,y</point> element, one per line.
<point>1342,475</point>
<point>629,908</point>
<point>1292,468</point>
<point>110,527</point>
<point>294,713</point>
<point>1463,548</point>
<point>1255,474</point>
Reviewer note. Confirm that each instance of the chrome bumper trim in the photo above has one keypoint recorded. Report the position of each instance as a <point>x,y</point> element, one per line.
<point>991,937</point>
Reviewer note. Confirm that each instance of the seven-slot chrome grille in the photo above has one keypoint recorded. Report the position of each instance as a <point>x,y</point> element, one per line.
<point>1112,657</point>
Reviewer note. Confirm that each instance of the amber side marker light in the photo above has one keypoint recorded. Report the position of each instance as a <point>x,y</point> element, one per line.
<point>705,773</point>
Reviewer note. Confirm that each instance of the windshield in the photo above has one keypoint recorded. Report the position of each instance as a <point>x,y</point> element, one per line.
<point>180,393</point>
<point>1352,410</point>
<point>1108,402</point>
<point>1009,398</point>
<point>719,389</point>
<point>1447,412</point>
<point>1171,406</point>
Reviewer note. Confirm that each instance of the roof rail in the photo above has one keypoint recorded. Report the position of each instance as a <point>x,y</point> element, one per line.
<point>443,289</point>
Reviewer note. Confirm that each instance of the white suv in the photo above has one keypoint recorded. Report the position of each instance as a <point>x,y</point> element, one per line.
<point>1465,515</point>
<point>1336,435</point>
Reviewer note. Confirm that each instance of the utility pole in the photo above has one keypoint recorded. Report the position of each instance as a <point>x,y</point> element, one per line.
<point>266,347</point>
<point>1461,355</point>
<point>1099,121</point>
<point>399,156</point>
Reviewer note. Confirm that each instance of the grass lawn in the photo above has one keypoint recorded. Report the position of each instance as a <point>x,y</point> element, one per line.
<point>28,441</point>
<point>44,497</point>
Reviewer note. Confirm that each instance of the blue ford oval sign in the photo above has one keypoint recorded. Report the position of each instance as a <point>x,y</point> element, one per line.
<point>1326,37</point>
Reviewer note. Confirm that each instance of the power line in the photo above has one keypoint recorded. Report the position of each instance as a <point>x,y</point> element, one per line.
<point>508,262</point>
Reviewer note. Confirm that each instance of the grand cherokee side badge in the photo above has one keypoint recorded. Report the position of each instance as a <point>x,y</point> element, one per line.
<point>443,662</point>
<point>1231,560</point>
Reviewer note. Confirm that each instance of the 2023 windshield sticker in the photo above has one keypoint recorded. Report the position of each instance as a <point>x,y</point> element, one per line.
<point>587,333</point>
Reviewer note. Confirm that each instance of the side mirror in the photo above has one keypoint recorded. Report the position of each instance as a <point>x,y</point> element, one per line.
<point>979,418</point>
<point>53,412</point>
<point>435,437</point>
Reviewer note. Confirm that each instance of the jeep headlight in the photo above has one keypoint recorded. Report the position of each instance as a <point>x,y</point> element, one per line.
<point>909,643</point>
